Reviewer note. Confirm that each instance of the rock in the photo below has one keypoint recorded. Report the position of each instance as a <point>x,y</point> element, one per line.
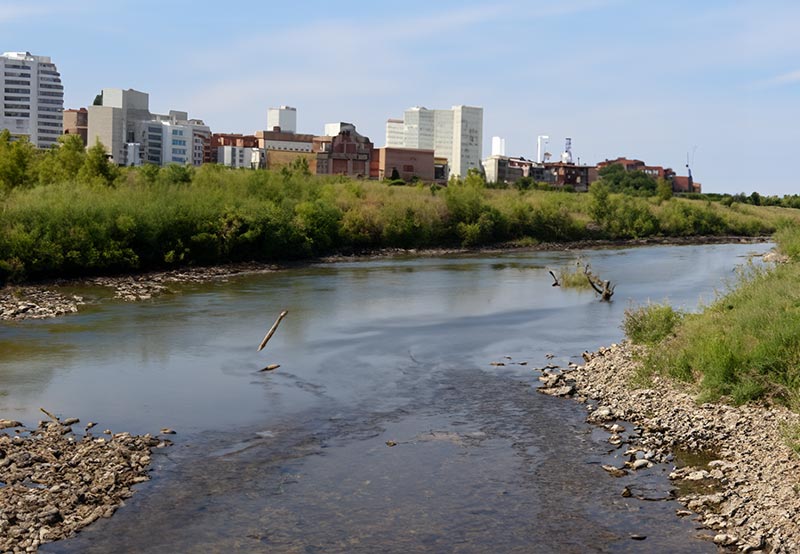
<point>9,423</point>
<point>640,464</point>
<point>565,390</point>
<point>167,431</point>
<point>391,443</point>
<point>626,492</point>
<point>724,540</point>
<point>637,537</point>
<point>614,471</point>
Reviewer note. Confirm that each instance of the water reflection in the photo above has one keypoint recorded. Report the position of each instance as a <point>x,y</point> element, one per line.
<point>370,351</point>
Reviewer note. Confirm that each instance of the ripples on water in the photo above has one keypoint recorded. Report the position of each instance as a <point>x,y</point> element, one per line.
<point>389,350</point>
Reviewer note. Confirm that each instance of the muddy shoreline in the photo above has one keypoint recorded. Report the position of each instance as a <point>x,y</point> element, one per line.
<point>744,480</point>
<point>43,300</point>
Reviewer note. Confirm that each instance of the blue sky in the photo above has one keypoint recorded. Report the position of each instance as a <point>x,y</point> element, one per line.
<point>648,80</point>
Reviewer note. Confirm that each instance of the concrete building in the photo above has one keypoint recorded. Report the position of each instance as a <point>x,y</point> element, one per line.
<point>282,119</point>
<point>122,122</point>
<point>33,98</point>
<point>76,122</point>
<point>114,121</point>
<point>408,164</point>
<point>241,157</point>
<point>455,134</point>
<point>347,153</point>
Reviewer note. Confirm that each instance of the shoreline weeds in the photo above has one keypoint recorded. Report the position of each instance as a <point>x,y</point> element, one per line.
<point>747,488</point>
<point>40,301</point>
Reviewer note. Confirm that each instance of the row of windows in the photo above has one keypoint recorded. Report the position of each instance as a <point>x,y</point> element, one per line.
<point>56,117</point>
<point>177,132</point>
<point>17,82</point>
<point>48,72</point>
<point>50,109</point>
<point>50,124</point>
<point>50,86</point>
<point>154,137</point>
<point>179,151</point>
<point>17,74</point>
<point>178,142</point>
<point>49,131</point>
<point>51,93</point>
<point>19,90</point>
<point>45,79</point>
<point>17,114</point>
<point>18,106</point>
<point>18,66</point>
<point>178,159</point>
<point>51,101</point>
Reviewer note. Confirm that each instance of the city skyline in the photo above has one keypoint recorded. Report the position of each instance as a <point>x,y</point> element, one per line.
<point>653,82</point>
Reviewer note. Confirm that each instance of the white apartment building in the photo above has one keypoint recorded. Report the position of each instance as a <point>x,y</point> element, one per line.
<point>33,98</point>
<point>285,118</point>
<point>455,134</point>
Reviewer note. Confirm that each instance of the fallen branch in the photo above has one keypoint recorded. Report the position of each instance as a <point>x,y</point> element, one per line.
<point>51,416</point>
<point>272,330</point>
<point>270,367</point>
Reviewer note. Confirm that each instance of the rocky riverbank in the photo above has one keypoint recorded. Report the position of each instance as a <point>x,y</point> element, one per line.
<point>45,301</point>
<point>744,482</point>
<point>53,482</point>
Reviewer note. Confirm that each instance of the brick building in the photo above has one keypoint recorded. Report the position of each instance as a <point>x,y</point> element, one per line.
<point>407,163</point>
<point>348,153</point>
<point>76,122</point>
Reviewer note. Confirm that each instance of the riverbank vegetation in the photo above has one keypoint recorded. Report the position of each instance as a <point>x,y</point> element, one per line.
<point>745,346</point>
<point>68,212</point>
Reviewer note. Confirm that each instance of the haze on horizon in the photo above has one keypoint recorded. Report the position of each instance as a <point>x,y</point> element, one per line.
<point>718,81</point>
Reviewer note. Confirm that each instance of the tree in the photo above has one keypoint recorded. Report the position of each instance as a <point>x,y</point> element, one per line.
<point>16,161</point>
<point>600,204</point>
<point>663,189</point>
<point>98,100</point>
<point>97,168</point>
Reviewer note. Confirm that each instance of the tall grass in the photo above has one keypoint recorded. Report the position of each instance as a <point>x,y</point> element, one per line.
<point>745,346</point>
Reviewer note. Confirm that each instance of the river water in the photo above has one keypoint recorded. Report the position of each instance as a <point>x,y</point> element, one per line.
<point>398,350</point>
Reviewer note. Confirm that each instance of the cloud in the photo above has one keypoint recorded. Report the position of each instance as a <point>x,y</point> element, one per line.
<point>788,78</point>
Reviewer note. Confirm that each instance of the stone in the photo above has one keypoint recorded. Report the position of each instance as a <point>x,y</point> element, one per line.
<point>640,464</point>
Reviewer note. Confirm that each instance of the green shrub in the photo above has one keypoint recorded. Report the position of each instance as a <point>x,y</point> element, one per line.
<point>650,324</point>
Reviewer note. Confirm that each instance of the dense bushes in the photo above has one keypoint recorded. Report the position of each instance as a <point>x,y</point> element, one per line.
<point>69,213</point>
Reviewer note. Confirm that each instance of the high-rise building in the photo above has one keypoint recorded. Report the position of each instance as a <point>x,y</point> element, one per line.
<point>455,134</point>
<point>33,97</point>
<point>284,118</point>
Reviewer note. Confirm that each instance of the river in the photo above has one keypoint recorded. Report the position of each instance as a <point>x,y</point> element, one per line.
<point>399,350</point>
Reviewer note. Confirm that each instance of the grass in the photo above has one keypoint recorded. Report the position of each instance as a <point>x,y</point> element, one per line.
<point>743,347</point>
<point>574,276</point>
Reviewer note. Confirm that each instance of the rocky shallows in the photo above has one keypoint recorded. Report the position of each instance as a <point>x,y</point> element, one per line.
<point>53,483</point>
<point>740,475</point>
<point>46,301</point>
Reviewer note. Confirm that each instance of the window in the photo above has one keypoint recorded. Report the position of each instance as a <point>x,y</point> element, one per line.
<point>19,90</point>
<point>178,142</point>
<point>177,132</point>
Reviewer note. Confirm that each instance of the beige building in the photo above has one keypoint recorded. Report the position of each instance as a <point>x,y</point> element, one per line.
<point>113,122</point>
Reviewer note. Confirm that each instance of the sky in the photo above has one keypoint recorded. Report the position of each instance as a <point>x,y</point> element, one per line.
<point>717,82</point>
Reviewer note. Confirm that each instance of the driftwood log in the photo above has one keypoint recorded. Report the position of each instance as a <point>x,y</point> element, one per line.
<point>272,330</point>
<point>602,287</point>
